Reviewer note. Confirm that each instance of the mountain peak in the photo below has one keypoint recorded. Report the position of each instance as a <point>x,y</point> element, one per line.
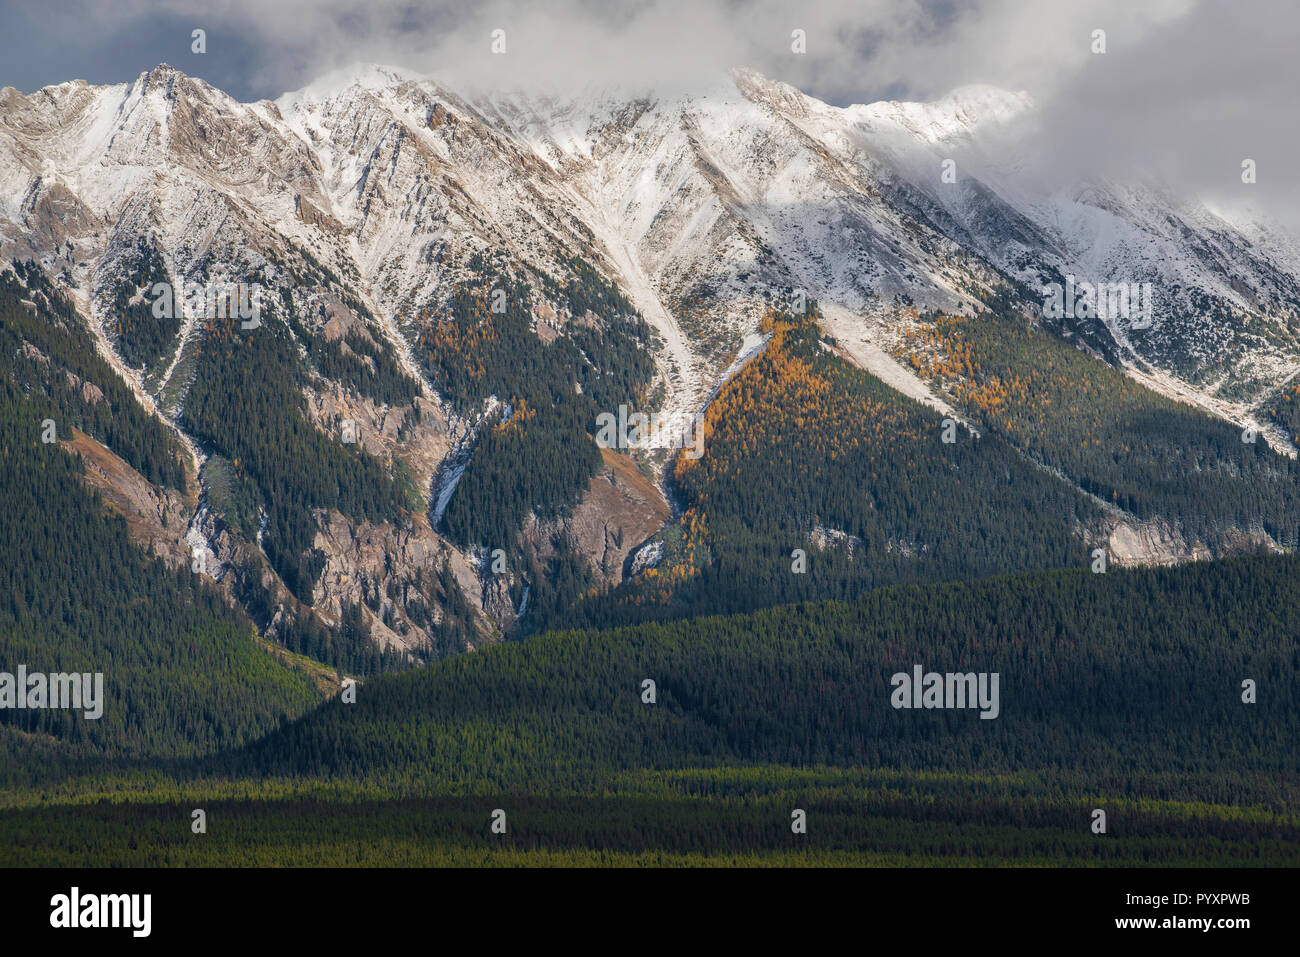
<point>776,93</point>
<point>958,112</point>
<point>359,75</point>
<point>981,101</point>
<point>163,75</point>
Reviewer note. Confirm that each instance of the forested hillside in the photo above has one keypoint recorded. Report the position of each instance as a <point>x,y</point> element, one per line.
<point>1283,408</point>
<point>245,404</point>
<point>46,351</point>
<point>1121,691</point>
<point>818,481</point>
<point>1144,453</point>
<point>1131,671</point>
<point>183,671</point>
<point>486,341</point>
<point>144,337</point>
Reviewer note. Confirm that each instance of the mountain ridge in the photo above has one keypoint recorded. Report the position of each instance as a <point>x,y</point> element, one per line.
<point>374,203</point>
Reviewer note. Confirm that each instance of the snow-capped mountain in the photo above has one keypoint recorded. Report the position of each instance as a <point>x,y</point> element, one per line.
<point>697,207</point>
<point>366,199</point>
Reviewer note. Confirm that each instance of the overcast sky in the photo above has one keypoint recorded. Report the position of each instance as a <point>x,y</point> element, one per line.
<point>1186,89</point>
<point>857,50</point>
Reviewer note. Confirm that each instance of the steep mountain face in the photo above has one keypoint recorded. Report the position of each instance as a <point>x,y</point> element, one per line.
<point>429,268</point>
<point>758,186</point>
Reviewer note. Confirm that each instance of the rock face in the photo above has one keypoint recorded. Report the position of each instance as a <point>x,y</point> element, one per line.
<point>384,569</point>
<point>312,216</point>
<point>416,434</point>
<point>833,538</point>
<point>157,519</point>
<point>1159,542</point>
<point>620,510</point>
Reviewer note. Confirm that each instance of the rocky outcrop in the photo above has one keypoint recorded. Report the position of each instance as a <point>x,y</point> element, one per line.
<point>619,511</point>
<point>156,519</point>
<point>309,214</point>
<point>1131,542</point>
<point>386,569</point>
<point>824,538</point>
<point>416,434</point>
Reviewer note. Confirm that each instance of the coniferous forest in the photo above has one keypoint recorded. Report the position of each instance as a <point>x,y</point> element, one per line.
<point>833,535</point>
<point>1120,691</point>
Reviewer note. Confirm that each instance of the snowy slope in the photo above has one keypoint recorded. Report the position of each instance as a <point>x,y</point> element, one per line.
<point>700,208</point>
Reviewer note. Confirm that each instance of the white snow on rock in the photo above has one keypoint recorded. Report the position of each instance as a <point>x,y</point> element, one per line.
<point>703,209</point>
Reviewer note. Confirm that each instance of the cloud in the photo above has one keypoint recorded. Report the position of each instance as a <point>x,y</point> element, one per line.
<point>1181,102</point>
<point>1184,93</point>
<point>855,50</point>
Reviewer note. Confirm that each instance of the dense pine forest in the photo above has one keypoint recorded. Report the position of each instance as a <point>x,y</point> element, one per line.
<point>1121,691</point>
<point>1283,408</point>
<point>537,460</point>
<point>183,671</point>
<point>46,351</point>
<point>1129,446</point>
<point>1125,672</point>
<point>246,404</point>
<point>143,338</point>
<point>357,359</point>
<point>537,453</point>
